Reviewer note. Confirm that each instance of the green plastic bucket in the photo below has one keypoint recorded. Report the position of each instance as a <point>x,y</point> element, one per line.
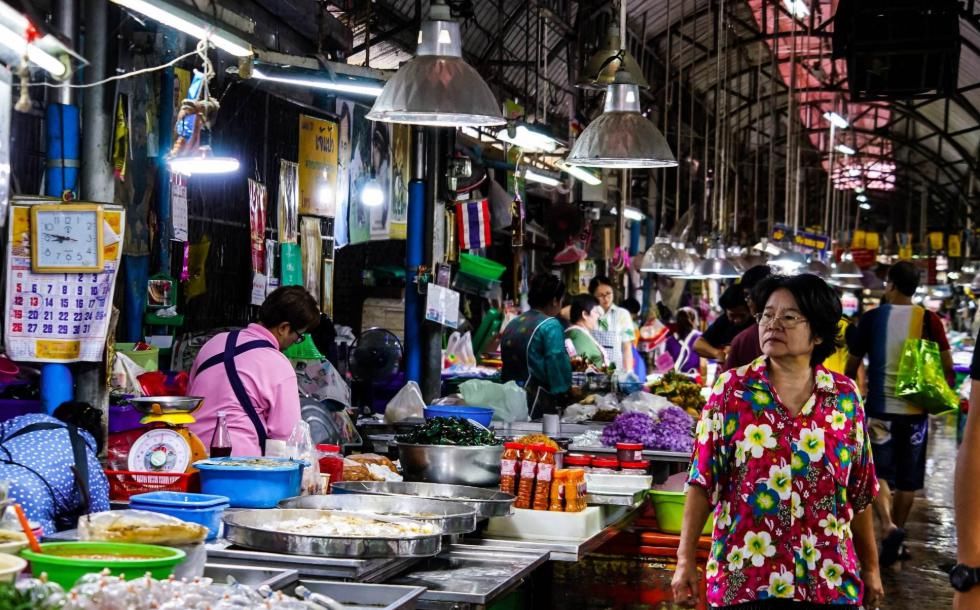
<point>669,506</point>
<point>60,562</point>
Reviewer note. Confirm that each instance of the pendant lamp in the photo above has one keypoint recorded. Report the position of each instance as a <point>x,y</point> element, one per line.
<point>621,137</point>
<point>846,268</point>
<point>605,63</point>
<point>661,258</point>
<point>789,261</point>
<point>437,87</point>
<point>716,266</point>
<point>818,268</point>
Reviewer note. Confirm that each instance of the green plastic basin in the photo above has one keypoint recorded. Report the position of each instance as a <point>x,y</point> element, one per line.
<point>60,561</point>
<point>481,267</point>
<point>669,506</point>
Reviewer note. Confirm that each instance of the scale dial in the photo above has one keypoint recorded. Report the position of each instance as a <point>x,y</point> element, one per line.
<point>160,450</point>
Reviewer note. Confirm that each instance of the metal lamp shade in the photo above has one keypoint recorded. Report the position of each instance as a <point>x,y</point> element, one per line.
<point>661,258</point>
<point>437,87</point>
<point>789,261</point>
<point>597,76</point>
<point>716,267</point>
<point>847,268</point>
<point>621,137</point>
<point>817,268</point>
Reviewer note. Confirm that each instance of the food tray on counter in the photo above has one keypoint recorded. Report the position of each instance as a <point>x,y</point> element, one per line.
<point>487,502</point>
<point>357,596</point>
<point>450,517</point>
<point>257,529</point>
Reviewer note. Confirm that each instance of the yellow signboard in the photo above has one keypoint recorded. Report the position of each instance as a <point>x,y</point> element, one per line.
<point>317,166</point>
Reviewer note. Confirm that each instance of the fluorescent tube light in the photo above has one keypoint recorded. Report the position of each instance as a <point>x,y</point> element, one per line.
<point>17,43</point>
<point>190,24</point>
<point>580,173</point>
<point>530,140</point>
<point>632,213</point>
<point>318,83</point>
<point>191,166</point>
<point>535,175</point>
<point>838,121</point>
<point>845,149</point>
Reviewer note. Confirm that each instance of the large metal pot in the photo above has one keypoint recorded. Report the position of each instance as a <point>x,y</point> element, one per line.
<point>477,466</point>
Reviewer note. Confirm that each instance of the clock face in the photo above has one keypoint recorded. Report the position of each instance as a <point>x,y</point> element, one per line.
<point>68,239</point>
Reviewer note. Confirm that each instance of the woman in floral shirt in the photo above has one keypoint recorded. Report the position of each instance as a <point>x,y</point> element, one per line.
<point>783,460</point>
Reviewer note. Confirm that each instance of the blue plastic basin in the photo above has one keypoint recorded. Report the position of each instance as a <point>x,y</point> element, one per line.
<point>248,486</point>
<point>203,509</point>
<point>481,415</point>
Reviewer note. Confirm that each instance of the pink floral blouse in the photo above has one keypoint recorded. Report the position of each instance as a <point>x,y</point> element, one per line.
<point>784,489</point>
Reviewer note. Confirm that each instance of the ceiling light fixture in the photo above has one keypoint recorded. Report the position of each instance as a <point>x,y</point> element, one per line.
<point>437,87</point>
<point>351,86</point>
<point>184,21</point>
<point>716,266</point>
<point>633,213</point>
<point>661,258</point>
<point>19,45</point>
<point>838,121</point>
<point>203,162</point>
<point>605,63</point>
<point>579,173</point>
<point>528,139</point>
<point>845,149</point>
<point>789,261</point>
<point>541,177</point>
<point>864,205</point>
<point>621,137</point>
<point>798,8</point>
<point>846,268</point>
<point>862,198</point>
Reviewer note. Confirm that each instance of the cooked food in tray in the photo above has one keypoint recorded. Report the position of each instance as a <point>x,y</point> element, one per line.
<point>338,525</point>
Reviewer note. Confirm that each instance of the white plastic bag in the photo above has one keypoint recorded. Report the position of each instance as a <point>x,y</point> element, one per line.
<point>300,447</point>
<point>508,400</point>
<point>578,413</point>
<point>644,402</point>
<point>459,352</point>
<point>406,403</point>
<point>125,375</point>
<point>139,527</point>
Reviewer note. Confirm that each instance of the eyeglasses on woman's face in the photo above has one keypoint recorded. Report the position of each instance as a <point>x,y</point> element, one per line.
<point>787,321</point>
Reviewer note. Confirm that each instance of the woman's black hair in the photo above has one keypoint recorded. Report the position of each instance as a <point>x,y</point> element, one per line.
<point>84,416</point>
<point>544,289</point>
<point>291,304</point>
<point>582,304</point>
<point>599,280</point>
<point>817,302</point>
<point>632,305</point>
<point>732,298</point>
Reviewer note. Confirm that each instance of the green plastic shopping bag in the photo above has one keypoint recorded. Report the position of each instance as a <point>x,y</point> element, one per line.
<point>921,379</point>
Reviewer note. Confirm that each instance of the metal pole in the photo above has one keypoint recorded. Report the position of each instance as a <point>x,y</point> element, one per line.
<point>414,257</point>
<point>66,20</point>
<point>431,384</point>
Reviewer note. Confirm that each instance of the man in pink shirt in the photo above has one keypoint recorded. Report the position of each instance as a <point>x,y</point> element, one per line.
<point>245,375</point>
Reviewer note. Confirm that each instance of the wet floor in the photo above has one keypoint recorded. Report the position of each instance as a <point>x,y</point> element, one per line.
<point>921,583</point>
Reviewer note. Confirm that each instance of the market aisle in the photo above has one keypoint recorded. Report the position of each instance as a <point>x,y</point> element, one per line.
<point>922,583</point>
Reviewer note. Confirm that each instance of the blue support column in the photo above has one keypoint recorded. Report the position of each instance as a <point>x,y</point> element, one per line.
<point>415,256</point>
<point>60,178</point>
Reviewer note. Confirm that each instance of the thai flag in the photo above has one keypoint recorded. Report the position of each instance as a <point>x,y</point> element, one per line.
<point>473,224</point>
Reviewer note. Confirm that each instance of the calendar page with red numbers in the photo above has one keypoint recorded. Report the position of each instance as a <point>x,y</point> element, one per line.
<point>58,317</point>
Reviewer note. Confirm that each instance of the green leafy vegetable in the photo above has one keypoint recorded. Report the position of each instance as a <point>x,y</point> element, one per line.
<point>449,431</point>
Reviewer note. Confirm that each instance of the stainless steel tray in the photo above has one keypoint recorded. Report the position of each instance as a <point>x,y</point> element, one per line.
<point>255,529</point>
<point>250,575</point>
<point>356,596</point>
<point>451,517</point>
<point>487,502</point>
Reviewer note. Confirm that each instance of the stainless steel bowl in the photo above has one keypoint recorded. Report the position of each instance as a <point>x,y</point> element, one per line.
<point>161,405</point>
<point>474,466</point>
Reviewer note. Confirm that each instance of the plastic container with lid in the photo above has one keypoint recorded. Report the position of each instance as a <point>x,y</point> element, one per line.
<point>546,471</point>
<point>331,462</point>
<point>629,452</point>
<point>605,465</point>
<point>203,509</point>
<point>640,467</point>
<point>577,461</point>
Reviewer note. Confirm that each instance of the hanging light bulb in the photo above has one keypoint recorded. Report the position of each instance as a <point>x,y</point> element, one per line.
<point>437,87</point>
<point>621,136</point>
<point>372,194</point>
<point>661,258</point>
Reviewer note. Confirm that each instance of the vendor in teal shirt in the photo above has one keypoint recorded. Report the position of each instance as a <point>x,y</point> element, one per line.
<point>532,347</point>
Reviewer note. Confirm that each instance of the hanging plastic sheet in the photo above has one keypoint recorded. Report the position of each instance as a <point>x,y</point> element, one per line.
<point>288,201</point>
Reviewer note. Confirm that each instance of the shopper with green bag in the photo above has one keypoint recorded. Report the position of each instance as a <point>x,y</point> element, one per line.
<point>898,402</point>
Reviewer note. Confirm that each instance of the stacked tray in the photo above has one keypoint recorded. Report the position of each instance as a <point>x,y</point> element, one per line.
<point>450,517</point>
<point>259,529</point>
<point>487,502</point>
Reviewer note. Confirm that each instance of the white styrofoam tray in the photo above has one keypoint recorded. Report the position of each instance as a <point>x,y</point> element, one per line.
<point>547,525</point>
<point>622,483</point>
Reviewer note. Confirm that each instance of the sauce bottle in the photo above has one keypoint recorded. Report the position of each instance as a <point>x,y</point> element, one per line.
<point>525,487</point>
<point>509,464</point>
<point>331,464</point>
<point>221,439</point>
<point>546,471</point>
<point>558,491</point>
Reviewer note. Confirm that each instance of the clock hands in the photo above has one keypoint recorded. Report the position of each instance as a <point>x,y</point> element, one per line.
<point>58,238</point>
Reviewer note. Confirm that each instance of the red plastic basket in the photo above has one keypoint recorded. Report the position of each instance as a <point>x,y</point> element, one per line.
<point>126,483</point>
